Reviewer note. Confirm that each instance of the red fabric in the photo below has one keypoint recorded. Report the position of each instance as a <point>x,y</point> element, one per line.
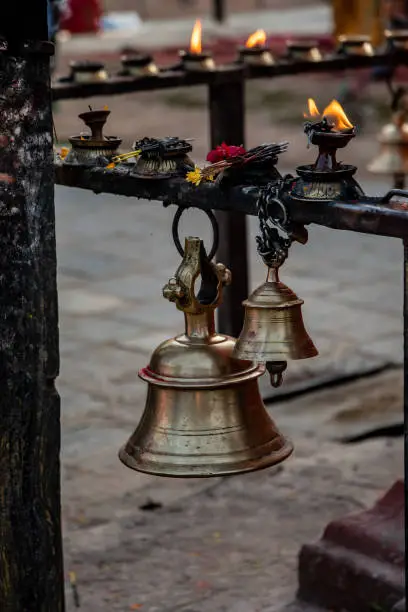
<point>84,16</point>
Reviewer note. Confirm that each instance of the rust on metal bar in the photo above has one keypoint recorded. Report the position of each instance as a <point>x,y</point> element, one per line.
<point>367,215</point>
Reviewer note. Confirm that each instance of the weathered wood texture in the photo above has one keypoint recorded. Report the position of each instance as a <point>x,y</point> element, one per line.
<point>227,124</point>
<point>31,568</point>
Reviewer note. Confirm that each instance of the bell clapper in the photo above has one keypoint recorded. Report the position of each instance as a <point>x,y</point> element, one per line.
<point>273,331</point>
<point>276,370</point>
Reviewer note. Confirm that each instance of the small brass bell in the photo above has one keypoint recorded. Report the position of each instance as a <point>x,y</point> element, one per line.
<point>204,415</point>
<point>273,330</point>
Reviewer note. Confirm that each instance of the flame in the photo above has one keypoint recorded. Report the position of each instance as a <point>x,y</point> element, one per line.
<point>195,41</point>
<point>334,111</point>
<point>312,108</point>
<point>257,39</point>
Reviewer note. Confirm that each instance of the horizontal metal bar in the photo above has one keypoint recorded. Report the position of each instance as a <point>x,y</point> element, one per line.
<point>65,89</point>
<point>367,216</point>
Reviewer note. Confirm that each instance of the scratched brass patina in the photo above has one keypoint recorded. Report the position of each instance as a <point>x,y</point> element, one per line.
<point>204,415</point>
<point>273,329</point>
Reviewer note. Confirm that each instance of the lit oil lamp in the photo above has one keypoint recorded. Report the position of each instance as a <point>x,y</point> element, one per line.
<point>195,60</point>
<point>138,65</point>
<point>396,39</point>
<point>307,50</point>
<point>355,45</point>
<point>88,72</point>
<point>327,179</point>
<point>256,52</point>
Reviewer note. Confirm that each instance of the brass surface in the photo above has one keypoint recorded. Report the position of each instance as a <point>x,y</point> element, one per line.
<point>397,39</point>
<point>90,77</point>
<point>273,329</point>
<point>303,51</point>
<point>204,415</point>
<point>256,56</point>
<point>355,45</point>
<point>393,156</point>
<point>141,71</point>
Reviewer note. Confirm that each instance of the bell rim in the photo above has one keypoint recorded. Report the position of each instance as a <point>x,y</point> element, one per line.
<point>268,306</point>
<point>254,371</point>
<point>184,471</point>
<point>262,356</point>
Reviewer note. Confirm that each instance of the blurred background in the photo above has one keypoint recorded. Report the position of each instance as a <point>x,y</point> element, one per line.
<point>140,542</point>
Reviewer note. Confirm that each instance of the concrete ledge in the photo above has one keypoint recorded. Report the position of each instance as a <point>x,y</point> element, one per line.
<point>358,565</point>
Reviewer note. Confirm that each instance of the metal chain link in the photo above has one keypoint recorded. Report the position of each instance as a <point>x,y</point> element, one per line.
<point>274,240</point>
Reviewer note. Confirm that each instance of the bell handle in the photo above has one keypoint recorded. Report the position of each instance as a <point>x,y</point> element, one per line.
<point>181,288</point>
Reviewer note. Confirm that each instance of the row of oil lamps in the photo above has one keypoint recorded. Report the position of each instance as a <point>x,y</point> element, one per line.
<point>167,158</point>
<point>255,52</point>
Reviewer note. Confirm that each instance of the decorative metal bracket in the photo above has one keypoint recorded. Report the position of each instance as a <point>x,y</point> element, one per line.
<point>277,231</point>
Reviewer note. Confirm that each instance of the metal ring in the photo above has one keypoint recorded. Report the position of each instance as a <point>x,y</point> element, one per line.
<point>214,225</point>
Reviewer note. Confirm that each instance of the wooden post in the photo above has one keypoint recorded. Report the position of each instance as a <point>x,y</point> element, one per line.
<point>219,12</point>
<point>227,120</point>
<point>31,567</point>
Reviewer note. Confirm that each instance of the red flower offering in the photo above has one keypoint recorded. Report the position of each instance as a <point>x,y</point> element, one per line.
<point>224,151</point>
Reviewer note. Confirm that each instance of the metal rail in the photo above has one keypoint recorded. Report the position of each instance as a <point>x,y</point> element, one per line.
<point>64,89</point>
<point>371,215</point>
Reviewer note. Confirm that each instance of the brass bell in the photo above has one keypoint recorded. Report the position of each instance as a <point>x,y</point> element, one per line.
<point>273,330</point>
<point>204,415</point>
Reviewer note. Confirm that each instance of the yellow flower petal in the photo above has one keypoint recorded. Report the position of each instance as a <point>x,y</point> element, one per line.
<point>110,166</point>
<point>64,152</point>
<point>194,176</point>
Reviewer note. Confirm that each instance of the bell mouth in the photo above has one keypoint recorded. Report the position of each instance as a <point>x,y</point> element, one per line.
<point>172,465</point>
<point>253,371</point>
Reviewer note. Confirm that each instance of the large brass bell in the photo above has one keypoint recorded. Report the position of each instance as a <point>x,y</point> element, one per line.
<point>204,415</point>
<point>393,156</point>
<point>273,330</point>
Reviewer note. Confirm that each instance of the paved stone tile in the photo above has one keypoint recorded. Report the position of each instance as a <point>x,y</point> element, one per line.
<point>134,287</point>
<point>343,411</point>
<point>382,297</point>
<point>88,265</point>
<point>235,541</point>
<point>84,302</point>
<point>96,329</point>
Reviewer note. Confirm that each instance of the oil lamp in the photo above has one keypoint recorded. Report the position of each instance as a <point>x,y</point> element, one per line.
<point>204,415</point>
<point>396,39</point>
<point>256,52</point>
<point>92,149</point>
<point>139,65</point>
<point>195,60</point>
<point>162,158</point>
<point>303,51</point>
<point>393,157</point>
<point>88,72</point>
<point>327,179</point>
<point>355,45</point>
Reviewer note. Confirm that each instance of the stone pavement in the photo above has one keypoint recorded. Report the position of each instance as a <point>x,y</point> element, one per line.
<point>223,544</point>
